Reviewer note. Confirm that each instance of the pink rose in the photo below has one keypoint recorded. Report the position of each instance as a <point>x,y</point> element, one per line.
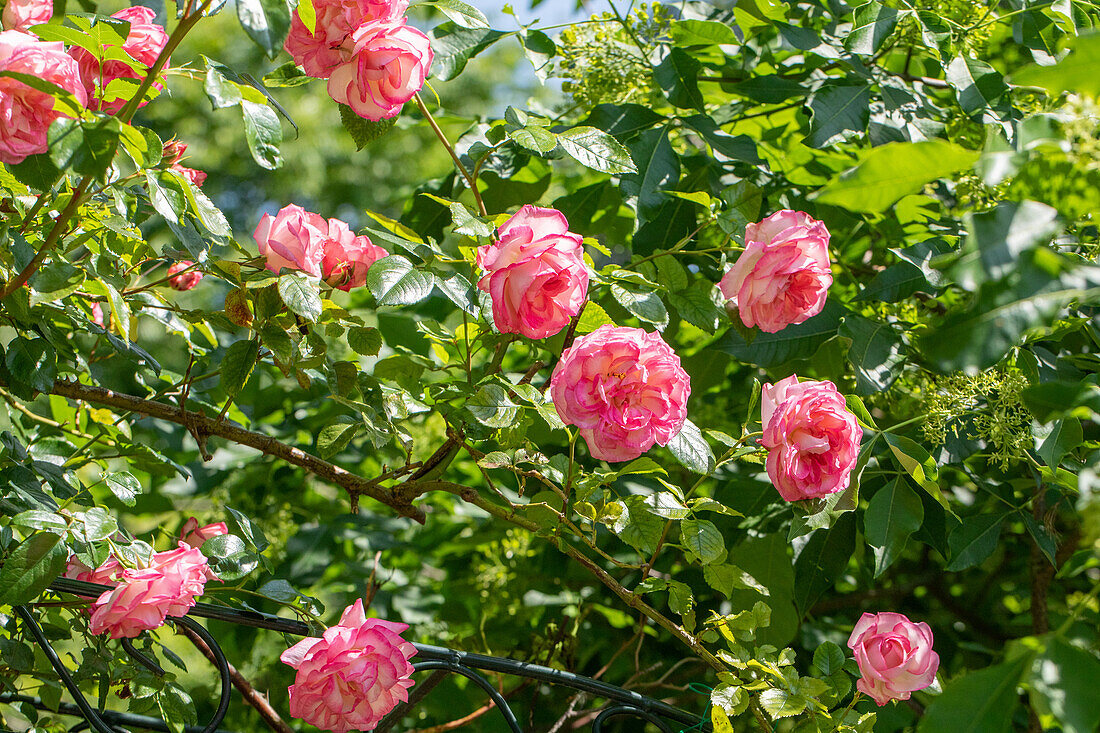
<point>193,535</point>
<point>25,113</point>
<point>348,257</point>
<point>624,388</point>
<point>811,437</point>
<point>181,278</point>
<point>385,65</point>
<point>144,597</point>
<point>97,314</point>
<point>196,177</point>
<point>319,52</point>
<point>294,238</point>
<point>535,273</point>
<point>106,574</point>
<point>783,275</point>
<point>143,44</point>
<point>894,655</point>
<point>20,15</point>
<point>353,675</point>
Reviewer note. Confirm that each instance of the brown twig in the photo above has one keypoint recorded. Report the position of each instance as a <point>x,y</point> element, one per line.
<point>203,425</point>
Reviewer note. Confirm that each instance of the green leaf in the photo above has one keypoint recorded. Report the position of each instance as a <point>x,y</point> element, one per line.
<point>1064,437</point>
<point>539,49</point>
<point>703,539</point>
<point>1064,680</point>
<point>124,486</point>
<point>334,438</point>
<point>998,238</point>
<point>838,112</point>
<point>1050,400</point>
<point>875,354</point>
<point>979,702</point>
<point>1075,73</point>
<point>463,14</point>
<point>454,46</point>
<point>177,708</point>
<point>702,33</point>
<point>592,318</point>
<point>302,294</point>
<point>678,77</point>
<point>782,703</point>
<point>646,306</point>
<point>893,514</point>
<point>263,133</point>
<point>692,450</point>
<point>237,365</point>
<point>793,342</point>
<point>978,85</point>
<point>365,340</point>
<point>276,338</point>
<point>892,171</point>
<point>266,22</point>
<point>974,540</point>
<point>31,566</point>
<point>658,170</point>
<point>696,305</point>
<point>725,146</point>
<point>393,280</point>
<point>32,362</point>
<point>363,131</point>
<point>597,150</point>
<point>535,138</point>
<point>287,75</point>
<point>726,578</point>
<point>492,407</point>
<point>41,520</point>
<point>637,526</point>
<point>917,462</point>
<point>822,560</point>
<point>873,23</point>
<point>829,659</point>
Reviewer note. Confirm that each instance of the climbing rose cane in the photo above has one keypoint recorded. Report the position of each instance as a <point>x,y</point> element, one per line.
<point>386,64</point>
<point>20,15</point>
<point>143,44</point>
<point>320,52</point>
<point>624,388</point>
<point>351,677</point>
<point>535,275</point>
<point>783,275</point>
<point>26,113</point>
<point>144,597</point>
<point>811,437</point>
<point>181,280</point>
<point>894,655</point>
<point>192,535</point>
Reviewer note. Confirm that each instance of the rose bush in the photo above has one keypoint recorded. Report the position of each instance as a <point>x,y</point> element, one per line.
<point>750,315</point>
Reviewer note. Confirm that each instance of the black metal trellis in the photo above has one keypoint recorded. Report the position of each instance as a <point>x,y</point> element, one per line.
<point>441,661</point>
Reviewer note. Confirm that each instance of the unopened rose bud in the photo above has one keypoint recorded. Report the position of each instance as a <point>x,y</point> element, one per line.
<point>173,151</point>
<point>180,280</point>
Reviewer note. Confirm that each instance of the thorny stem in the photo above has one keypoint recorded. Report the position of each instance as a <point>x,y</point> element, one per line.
<point>470,180</point>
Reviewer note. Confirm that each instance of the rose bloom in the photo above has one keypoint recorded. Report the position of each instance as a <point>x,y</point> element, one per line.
<point>195,176</point>
<point>20,15</point>
<point>192,535</point>
<point>894,655</point>
<point>143,44</point>
<point>783,275</point>
<point>294,238</point>
<point>811,437</point>
<point>25,113</point>
<point>144,597</point>
<point>106,574</point>
<point>624,388</point>
<point>353,675</point>
<point>386,64</point>
<point>348,257</point>
<point>535,273</point>
<point>97,314</point>
<point>319,52</point>
<point>186,280</point>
